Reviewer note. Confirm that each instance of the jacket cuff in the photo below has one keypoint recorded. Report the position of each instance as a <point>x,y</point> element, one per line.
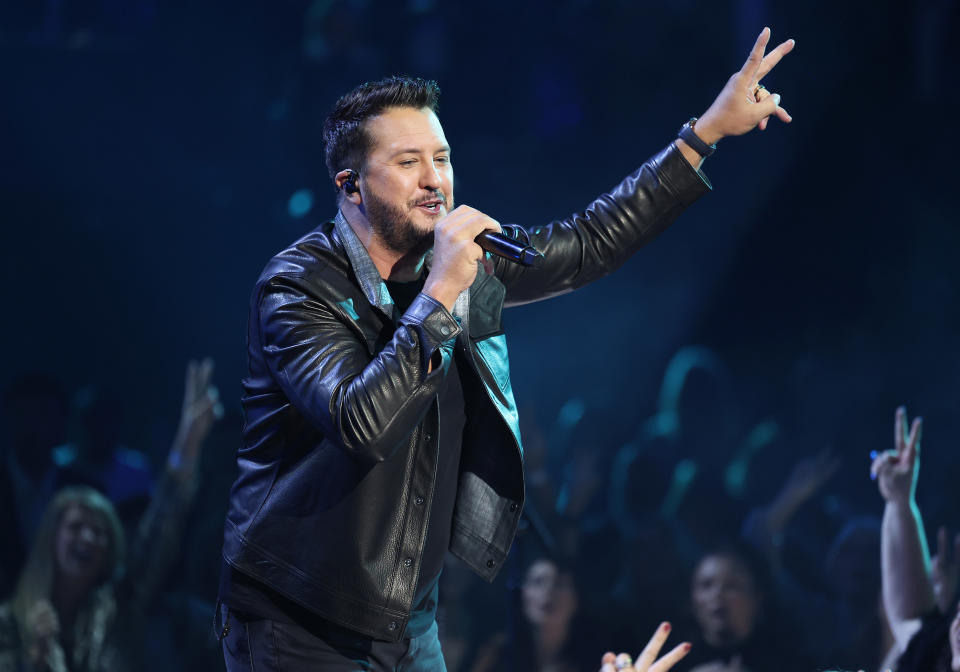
<point>432,320</point>
<point>688,182</point>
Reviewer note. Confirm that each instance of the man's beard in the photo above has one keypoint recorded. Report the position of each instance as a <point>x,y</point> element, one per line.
<point>395,228</point>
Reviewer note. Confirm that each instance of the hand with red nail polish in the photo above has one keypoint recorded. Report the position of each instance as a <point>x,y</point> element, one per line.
<point>647,661</point>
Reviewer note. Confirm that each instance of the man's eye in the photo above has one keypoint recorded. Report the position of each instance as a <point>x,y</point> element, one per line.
<point>442,159</point>
<point>408,162</point>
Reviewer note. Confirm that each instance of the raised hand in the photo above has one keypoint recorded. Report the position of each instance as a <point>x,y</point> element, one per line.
<point>201,408</point>
<point>806,478</point>
<point>896,470</point>
<point>810,474</point>
<point>945,570</point>
<point>647,661</point>
<point>583,481</point>
<point>744,103</point>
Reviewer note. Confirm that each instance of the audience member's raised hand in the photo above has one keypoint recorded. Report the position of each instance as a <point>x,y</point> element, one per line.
<point>201,408</point>
<point>896,470</point>
<point>810,474</point>
<point>584,480</point>
<point>807,477</point>
<point>945,570</point>
<point>647,661</point>
<point>908,593</point>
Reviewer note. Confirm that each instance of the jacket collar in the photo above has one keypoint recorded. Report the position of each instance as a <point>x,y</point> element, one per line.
<point>373,286</point>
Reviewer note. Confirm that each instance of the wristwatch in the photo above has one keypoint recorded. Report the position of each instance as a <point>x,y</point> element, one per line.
<point>689,136</point>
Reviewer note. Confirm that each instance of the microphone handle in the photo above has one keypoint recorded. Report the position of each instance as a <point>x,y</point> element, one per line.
<point>510,249</point>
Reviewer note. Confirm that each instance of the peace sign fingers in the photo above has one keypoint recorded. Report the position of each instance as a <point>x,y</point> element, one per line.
<point>770,60</point>
<point>748,73</point>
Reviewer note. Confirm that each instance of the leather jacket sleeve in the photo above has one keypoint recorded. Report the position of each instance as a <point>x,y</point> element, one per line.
<point>595,242</point>
<point>368,404</point>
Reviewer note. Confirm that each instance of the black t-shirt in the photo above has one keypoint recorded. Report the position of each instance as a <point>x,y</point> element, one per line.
<point>452,421</point>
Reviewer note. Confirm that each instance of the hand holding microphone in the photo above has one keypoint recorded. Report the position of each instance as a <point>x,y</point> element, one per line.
<point>459,242</point>
<point>456,253</point>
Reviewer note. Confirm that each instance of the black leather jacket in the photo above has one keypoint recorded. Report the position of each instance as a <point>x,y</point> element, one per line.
<point>337,468</point>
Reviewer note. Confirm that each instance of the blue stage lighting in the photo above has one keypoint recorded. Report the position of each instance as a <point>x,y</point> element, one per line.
<point>300,203</point>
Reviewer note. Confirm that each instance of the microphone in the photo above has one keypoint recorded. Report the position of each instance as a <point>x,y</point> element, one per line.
<point>509,249</point>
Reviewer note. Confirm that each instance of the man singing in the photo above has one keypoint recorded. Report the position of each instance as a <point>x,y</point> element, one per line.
<point>381,428</point>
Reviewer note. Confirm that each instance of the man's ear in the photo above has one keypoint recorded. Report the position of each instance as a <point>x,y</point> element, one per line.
<point>347,182</point>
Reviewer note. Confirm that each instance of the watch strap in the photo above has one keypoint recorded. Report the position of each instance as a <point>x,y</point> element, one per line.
<point>689,136</point>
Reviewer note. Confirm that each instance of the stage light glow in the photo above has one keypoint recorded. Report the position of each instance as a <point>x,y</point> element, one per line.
<point>300,203</point>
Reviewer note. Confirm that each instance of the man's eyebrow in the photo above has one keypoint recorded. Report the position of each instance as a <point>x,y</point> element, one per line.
<point>416,150</point>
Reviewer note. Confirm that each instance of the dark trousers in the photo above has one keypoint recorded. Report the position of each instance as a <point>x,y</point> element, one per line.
<point>254,644</point>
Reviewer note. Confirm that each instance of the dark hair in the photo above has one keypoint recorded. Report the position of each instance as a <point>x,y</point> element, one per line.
<point>565,563</point>
<point>750,559</point>
<point>345,140</point>
<point>772,644</point>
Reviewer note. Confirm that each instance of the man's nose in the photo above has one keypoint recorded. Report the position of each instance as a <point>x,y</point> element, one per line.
<point>430,178</point>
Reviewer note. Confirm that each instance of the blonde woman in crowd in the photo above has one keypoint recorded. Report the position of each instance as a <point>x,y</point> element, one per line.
<point>80,603</point>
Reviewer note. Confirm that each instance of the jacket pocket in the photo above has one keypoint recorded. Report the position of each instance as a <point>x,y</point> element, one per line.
<point>486,305</point>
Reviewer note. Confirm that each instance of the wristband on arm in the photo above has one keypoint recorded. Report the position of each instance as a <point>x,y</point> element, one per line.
<point>689,136</point>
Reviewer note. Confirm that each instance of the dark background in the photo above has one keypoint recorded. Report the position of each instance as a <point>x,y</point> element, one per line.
<point>151,149</point>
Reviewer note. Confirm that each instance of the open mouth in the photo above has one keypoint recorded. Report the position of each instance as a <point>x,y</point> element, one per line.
<point>433,206</point>
<point>718,614</point>
<point>81,556</point>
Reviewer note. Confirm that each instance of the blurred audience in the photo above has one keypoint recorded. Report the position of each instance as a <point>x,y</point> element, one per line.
<point>553,634</point>
<point>859,634</point>
<point>766,527</point>
<point>98,457</point>
<point>35,411</point>
<point>198,572</point>
<point>840,616</point>
<point>738,623</point>
<point>690,441</point>
<point>64,602</point>
<point>654,576</point>
<point>83,600</point>
<point>612,554</point>
<point>567,504</point>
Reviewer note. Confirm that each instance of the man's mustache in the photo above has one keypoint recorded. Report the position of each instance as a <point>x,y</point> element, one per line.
<point>437,196</point>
